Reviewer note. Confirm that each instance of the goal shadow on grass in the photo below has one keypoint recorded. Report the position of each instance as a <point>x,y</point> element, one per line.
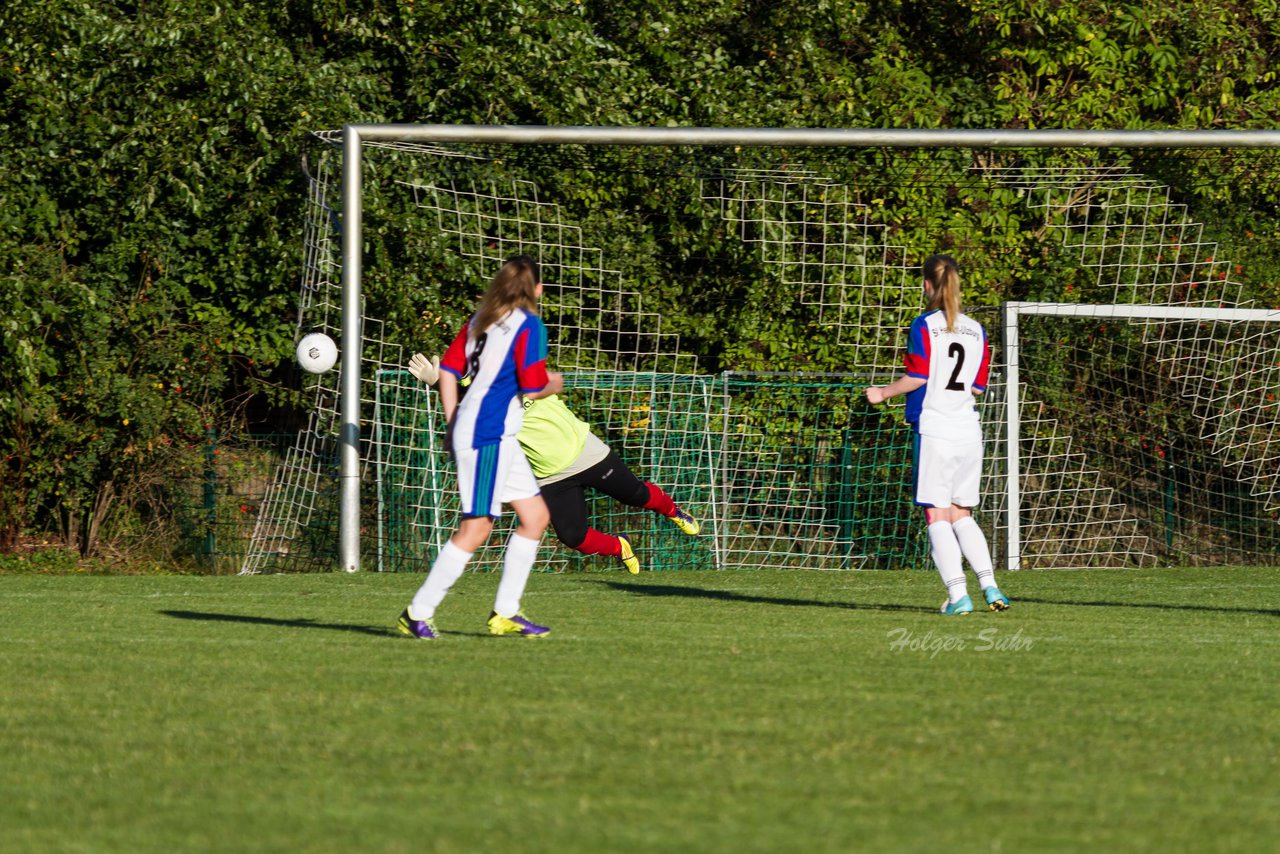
<point>661,590</point>
<point>298,623</point>
<point>1159,606</point>
<point>669,590</point>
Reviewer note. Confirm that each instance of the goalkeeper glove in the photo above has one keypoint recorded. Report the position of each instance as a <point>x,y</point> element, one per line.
<point>427,371</point>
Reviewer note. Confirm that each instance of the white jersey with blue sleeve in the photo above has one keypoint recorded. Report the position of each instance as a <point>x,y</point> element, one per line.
<point>953,364</point>
<point>506,360</point>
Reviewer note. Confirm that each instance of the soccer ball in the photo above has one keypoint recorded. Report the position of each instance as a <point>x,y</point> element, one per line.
<point>317,353</point>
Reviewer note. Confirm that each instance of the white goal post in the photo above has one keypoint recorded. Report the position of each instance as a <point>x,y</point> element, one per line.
<point>355,136</point>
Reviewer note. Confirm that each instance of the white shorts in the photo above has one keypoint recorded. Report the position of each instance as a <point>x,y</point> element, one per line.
<point>493,475</point>
<point>947,472</point>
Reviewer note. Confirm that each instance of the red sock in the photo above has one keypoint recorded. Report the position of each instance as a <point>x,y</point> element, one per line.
<point>597,543</point>
<point>660,502</point>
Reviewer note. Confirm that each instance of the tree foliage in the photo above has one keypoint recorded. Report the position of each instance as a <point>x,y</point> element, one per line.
<point>150,195</point>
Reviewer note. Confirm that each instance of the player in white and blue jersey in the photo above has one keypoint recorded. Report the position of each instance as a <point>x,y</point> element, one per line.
<point>947,362</point>
<point>500,355</point>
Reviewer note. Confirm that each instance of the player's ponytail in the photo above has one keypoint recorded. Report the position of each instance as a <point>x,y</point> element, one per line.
<point>515,286</point>
<point>943,273</point>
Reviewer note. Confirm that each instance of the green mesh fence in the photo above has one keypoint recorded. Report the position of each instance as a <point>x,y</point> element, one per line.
<point>216,503</point>
<point>782,470</point>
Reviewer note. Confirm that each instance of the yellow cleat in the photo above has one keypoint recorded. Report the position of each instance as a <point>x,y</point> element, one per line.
<point>628,557</point>
<point>518,624</point>
<point>686,523</point>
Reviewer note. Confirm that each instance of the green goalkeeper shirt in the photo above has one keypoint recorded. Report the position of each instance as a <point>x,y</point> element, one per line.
<point>552,436</point>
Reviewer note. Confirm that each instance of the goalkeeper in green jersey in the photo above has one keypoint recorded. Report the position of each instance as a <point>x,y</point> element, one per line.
<point>567,459</point>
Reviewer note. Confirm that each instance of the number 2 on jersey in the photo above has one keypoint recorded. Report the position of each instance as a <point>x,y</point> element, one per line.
<point>956,351</point>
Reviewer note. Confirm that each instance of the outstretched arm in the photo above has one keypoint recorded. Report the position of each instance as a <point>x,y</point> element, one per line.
<point>902,385</point>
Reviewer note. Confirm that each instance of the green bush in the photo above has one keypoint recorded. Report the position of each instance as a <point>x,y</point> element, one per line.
<point>150,200</point>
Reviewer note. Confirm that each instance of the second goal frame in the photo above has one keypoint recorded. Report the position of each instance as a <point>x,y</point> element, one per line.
<point>1016,312</point>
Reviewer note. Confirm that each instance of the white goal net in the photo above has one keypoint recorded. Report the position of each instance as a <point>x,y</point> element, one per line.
<point>735,381</point>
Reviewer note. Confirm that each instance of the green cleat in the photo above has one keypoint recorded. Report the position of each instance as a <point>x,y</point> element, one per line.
<point>516,625</point>
<point>421,629</point>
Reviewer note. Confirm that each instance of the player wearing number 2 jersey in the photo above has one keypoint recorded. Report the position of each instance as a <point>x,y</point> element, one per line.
<point>954,363</point>
<point>946,364</point>
<point>502,351</point>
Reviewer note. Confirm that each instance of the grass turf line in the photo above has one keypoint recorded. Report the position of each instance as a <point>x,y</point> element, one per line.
<point>765,710</point>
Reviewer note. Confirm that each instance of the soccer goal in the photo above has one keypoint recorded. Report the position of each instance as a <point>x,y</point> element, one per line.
<point>1171,408</point>
<point>719,298</point>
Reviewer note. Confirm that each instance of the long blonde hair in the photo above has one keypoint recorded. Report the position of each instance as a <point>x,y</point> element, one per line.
<point>943,273</point>
<point>515,286</point>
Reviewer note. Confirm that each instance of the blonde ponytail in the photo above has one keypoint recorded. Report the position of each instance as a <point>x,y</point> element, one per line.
<point>943,273</point>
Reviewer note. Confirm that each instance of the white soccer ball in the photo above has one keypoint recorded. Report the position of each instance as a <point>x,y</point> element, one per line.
<point>317,353</point>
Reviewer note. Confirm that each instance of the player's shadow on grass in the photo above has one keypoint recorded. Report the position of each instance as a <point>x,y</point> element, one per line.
<point>660,590</point>
<point>299,623</point>
<point>1159,606</point>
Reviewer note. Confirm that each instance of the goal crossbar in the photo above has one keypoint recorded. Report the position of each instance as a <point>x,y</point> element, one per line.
<point>816,137</point>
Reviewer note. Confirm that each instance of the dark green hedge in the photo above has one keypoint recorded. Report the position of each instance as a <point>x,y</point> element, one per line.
<point>150,195</point>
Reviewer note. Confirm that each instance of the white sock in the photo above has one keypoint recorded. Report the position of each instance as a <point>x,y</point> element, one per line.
<point>973,543</point>
<point>517,563</point>
<point>946,556</point>
<point>447,568</point>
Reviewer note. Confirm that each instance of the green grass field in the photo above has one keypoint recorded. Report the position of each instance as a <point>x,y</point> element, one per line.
<point>757,711</point>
